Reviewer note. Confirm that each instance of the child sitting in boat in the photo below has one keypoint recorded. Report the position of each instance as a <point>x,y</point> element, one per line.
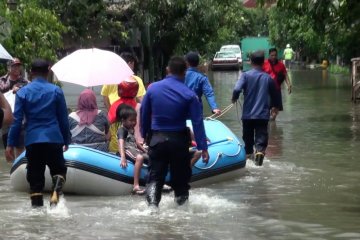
<point>194,154</point>
<point>129,147</point>
<point>127,91</point>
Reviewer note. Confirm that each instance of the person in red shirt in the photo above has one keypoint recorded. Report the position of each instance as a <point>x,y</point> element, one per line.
<point>127,91</point>
<point>277,71</point>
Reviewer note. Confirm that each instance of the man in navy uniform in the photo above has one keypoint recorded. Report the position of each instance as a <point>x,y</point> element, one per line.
<point>165,108</point>
<point>47,132</point>
<point>258,88</point>
<point>198,82</point>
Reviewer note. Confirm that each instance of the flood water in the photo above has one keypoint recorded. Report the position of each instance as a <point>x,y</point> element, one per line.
<point>308,187</point>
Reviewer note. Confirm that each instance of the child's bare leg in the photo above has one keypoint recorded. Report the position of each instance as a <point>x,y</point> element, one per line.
<point>195,158</point>
<point>137,126</point>
<point>18,151</point>
<point>138,164</point>
<point>273,114</point>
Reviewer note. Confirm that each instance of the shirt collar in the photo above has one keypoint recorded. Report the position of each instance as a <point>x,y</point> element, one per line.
<point>39,79</point>
<point>128,129</point>
<point>259,69</point>
<point>173,77</point>
<point>193,69</point>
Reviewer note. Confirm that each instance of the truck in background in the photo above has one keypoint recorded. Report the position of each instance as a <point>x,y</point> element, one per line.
<point>251,44</point>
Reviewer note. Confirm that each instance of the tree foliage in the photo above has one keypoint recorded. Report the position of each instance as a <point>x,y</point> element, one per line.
<point>177,26</point>
<point>228,24</point>
<point>35,32</point>
<point>168,26</point>
<point>87,21</point>
<point>203,25</point>
<point>297,30</point>
<point>43,27</point>
<point>4,23</point>
<point>322,28</point>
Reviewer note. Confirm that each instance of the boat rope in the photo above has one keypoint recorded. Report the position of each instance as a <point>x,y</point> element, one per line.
<point>208,167</point>
<point>225,110</point>
<point>238,105</point>
<point>233,155</point>
<point>214,117</point>
<point>219,155</point>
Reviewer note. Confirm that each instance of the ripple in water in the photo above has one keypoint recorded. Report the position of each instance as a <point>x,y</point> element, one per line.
<point>202,202</point>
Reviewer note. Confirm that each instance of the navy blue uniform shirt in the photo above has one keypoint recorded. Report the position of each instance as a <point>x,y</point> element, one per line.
<point>258,88</point>
<point>43,106</point>
<point>166,106</point>
<point>200,84</point>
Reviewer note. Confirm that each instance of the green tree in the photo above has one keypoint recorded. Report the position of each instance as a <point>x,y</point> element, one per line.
<point>35,32</point>
<point>228,23</point>
<point>4,23</point>
<point>174,25</point>
<point>177,26</point>
<point>297,30</point>
<point>87,21</point>
<point>335,22</point>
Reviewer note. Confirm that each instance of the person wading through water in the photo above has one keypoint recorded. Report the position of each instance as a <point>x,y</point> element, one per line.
<point>47,132</point>
<point>277,71</point>
<point>165,108</point>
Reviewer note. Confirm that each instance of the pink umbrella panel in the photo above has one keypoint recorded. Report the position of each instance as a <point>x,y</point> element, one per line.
<point>92,67</point>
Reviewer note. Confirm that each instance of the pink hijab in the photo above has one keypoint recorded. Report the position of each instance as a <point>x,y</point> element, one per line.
<point>87,107</point>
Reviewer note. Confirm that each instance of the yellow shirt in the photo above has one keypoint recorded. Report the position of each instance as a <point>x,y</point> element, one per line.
<point>114,144</point>
<point>111,91</point>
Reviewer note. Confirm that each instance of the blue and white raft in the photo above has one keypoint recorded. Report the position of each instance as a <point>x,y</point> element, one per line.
<point>92,172</point>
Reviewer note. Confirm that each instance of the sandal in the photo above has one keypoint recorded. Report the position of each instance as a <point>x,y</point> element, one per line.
<point>138,191</point>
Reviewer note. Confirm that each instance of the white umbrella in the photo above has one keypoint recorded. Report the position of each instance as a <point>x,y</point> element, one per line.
<point>4,54</point>
<point>10,97</point>
<point>92,67</point>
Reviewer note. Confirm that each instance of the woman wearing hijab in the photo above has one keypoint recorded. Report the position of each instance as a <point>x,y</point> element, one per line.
<point>89,126</point>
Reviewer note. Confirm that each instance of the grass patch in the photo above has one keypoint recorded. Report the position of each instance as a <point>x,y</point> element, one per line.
<point>339,69</point>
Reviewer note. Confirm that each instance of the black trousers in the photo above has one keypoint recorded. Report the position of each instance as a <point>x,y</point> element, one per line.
<point>255,132</point>
<point>278,99</point>
<point>168,151</point>
<point>39,155</point>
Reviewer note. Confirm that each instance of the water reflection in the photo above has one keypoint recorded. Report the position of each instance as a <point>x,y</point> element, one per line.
<point>355,122</point>
<point>324,76</point>
<point>275,146</point>
<point>308,187</point>
<point>223,83</point>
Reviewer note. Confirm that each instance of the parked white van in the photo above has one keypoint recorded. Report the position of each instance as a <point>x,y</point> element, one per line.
<point>235,49</point>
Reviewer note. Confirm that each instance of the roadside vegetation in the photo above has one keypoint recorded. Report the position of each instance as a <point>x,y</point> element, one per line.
<point>337,69</point>
<point>316,29</point>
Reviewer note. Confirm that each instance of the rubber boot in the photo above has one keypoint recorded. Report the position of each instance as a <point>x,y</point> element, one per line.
<point>36,200</point>
<point>58,183</point>
<point>259,158</point>
<point>181,200</point>
<point>153,194</point>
